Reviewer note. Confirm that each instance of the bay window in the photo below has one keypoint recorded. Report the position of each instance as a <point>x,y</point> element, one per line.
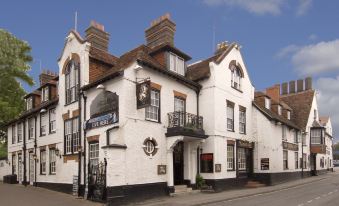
<point>316,136</point>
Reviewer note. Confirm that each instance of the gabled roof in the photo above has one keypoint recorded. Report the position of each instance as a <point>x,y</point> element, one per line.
<point>140,54</point>
<point>301,103</point>
<point>103,56</point>
<point>168,47</point>
<point>201,70</point>
<point>273,116</point>
<point>34,93</point>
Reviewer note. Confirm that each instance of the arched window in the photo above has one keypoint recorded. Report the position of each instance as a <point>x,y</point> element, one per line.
<point>236,77</point>
<point>72,82</point>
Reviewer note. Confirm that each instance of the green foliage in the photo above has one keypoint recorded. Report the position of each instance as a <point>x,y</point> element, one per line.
<point>14,65</point>
<point>3,150</point>
<point>199,181</point>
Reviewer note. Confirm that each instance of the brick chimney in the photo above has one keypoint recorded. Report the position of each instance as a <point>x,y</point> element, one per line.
<point>274,92</point>
<point>292,87</point>
<point>300,85</point>
<point>284,88</point>
<point>308,83</point>
<point>96,35</point>
<point>162,31</point>
<point>46,76</point>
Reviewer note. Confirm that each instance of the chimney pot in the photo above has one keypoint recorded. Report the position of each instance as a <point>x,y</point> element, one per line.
<point>308,83</point>
<point>300,85</point>
<point>292,87</point>
<point>284,88</point>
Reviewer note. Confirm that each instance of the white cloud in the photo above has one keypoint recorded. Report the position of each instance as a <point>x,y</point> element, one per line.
<point>313,37</point>
<point>328,99</point>
<point>313,59</point>
<point>284,52</point>
<point>260,7</point>
<point>304,6</point>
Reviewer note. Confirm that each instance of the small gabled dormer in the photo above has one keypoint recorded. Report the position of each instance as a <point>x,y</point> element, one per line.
<point>32,100</point>
<point>47,85</point>
<point>267,103</point>
<point>160,39</point>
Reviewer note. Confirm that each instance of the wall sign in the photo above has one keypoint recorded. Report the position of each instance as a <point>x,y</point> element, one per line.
<point>105,102</point>
<point>206,163</point>
<point>100,121</point>
<point>161,169</point>
<point>244,144</point>
<point>265,163</point>
<point>217,167</point>
<point>143,93</point>
<point>290,146</point>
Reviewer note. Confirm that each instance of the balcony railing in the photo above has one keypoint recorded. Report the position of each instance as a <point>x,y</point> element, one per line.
<point>183,123</point>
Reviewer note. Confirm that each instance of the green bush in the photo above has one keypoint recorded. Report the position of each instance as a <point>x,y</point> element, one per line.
<point>199,181</point>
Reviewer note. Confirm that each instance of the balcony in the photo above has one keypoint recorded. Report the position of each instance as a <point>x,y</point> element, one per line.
<point>185,124</point>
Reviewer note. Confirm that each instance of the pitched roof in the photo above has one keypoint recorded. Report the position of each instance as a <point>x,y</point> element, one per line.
<point>301,103</point>
<point>140,54</point>
<point>201,70</point>
<point>102,56</point>
<point>273,116</point>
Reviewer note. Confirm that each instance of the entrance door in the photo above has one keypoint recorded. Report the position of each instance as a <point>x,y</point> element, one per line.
<point>31,168</point>
<point>178,163</point>
<point>245,162</point>
<point>313,163</point>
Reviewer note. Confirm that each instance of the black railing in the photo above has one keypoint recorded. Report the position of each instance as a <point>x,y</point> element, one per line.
<point>185,120</point>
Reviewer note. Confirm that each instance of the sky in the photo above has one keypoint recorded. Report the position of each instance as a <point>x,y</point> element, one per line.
<point>281,40</point>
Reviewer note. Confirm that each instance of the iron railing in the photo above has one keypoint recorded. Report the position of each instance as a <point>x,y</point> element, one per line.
<point>185,120</point>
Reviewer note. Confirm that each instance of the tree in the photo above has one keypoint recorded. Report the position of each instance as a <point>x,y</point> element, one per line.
<point>14,65</point>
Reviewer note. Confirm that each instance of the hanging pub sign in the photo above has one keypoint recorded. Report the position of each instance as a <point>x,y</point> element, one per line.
<point>265,163</point>
<point>104,110</point>
<point>143,93</point>
<point>206,163</point>
<point>290,146</point>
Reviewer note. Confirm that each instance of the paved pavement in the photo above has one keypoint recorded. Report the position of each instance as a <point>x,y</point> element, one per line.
<point>313,191</point>
<point>15,195</point>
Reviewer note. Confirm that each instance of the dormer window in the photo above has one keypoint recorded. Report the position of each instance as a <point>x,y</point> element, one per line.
<point>45,93</point>
<point>279,110</point>
<point>236,77</point>
<point>176,64</point>
<point>29,103</point>
<point>288,115</point>
<point>267,103</point>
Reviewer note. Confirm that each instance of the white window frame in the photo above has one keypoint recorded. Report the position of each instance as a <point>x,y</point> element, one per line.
<point>285,159</point>
<point>31,125</point>
<point>152,112</point>
<point>71,82</point>
<point>279,110</point>
<point>45,94</point>
<point>283,132</point>
<point>29,103</point>
<point>94,154</point>
<point>52,120</point>
<point>176,64</point>
<point>236,77</point>
<point>230,157</point>
<point>241,158</point>
<point>72,138</point>
<point>43,124</point>
<point>14,133</point>
<point>242,122</point>
<point>43,162</point>
<point>19,127</point>
<point>68,137</point>
<point>267,103</point>
<point>52,161</point>
<point>230,117</point>
<point>315,136</point>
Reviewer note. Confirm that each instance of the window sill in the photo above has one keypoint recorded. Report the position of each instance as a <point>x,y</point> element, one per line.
<point>53,132</point>
<point>155,121</point>
<point>43,174</point>
<point>242,133</point>
<point>237,89</point>
<point>229,130</point>
<point>230,170</point>
<point>42,135</point>
<point>70,103</point>
<point>52,174</point>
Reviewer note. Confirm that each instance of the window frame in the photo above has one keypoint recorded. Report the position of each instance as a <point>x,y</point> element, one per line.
<point>230,160</point>
<point>242,121</point>
<point>72,72</point>
<point>173,65</point>
<point>14,134</point>
<point>20,128</point>
<point>45,93</point>
<point>313,138</point>
<point>43,162</point>
<point>148,111</point>
<point>96,152</point>
<point>283,132</point>
<point>31,126</point>
<point>14,160</point>
<point>285,160</point>
<point>229,117</point>
<point>52,161</point>
<point>72,137</point>
<point>267,103</point>
<point>241,156</point>
<point>52,121</point>
<point>236,77</point>
<point>43,122</point>
<point>296,160</point>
